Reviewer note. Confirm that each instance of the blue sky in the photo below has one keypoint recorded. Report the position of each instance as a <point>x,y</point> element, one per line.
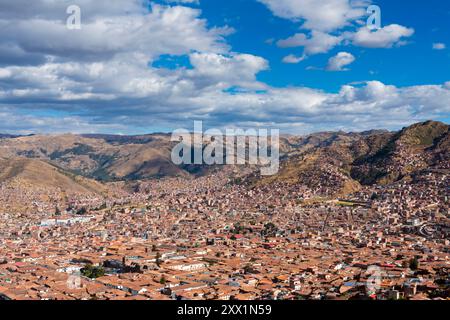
<point>412,64</point>
<point>298,65</point>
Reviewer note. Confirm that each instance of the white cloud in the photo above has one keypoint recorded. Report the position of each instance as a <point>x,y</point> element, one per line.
<point>184,1</point>
<point>24,123</point>
<point>329,23</point>
<point>293,59</point>
<point>439,46</point>
<point>324,15</point>
<point>4,73</point>
<point>166,30</point>
<point>339,61</point>
<point>175,99</point>
<point>226,71</point>
<point>385,37</point>
<point>319,42</point>
<point>447,85</point>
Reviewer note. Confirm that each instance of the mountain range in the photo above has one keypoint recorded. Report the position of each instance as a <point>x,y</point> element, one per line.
<point>346,161</point>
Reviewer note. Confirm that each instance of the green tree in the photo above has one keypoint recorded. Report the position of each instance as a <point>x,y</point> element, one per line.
<point>92,272</point>
<point>82,211</point>
<point>414,264</point>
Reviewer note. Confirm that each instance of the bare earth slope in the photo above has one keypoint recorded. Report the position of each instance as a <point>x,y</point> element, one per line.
<point>39,174</point>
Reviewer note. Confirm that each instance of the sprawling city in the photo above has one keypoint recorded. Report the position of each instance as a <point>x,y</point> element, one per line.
<point>230,233</point>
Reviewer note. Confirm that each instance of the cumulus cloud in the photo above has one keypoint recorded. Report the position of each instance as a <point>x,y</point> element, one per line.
<point>174,30</point>
<point>184,1</point>
<point>174,101</point>
<point>293,59</point>
<point>318,42</point>
<point>325,15</point>
<point>339,61</point>
<point>226,71</point>
<point>323,21</point>
<point>439,46</point>
<point>385,37</point>
<point>329,23</point>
